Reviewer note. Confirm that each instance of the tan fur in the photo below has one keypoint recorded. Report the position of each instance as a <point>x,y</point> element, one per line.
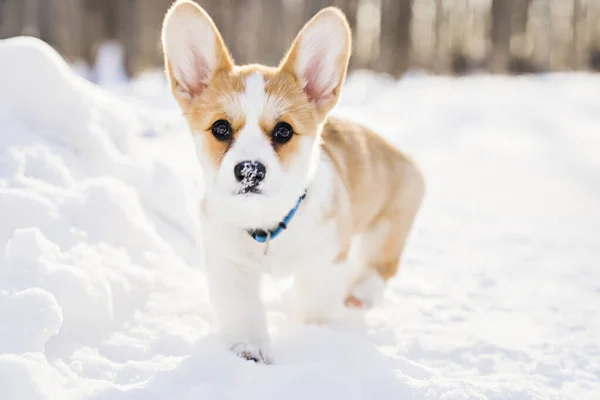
<point>381,192</point>
<point>297,110</point>
<point>219,100</point>
<point>216,102</point>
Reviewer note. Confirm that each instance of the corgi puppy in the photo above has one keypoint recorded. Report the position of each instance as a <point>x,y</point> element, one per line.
<point>288,189</point>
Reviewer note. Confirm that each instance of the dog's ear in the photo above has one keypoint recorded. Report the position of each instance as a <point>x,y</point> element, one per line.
<point>319,57</point>
<point>194,50</point>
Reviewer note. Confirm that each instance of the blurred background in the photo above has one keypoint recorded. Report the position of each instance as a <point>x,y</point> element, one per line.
<point>390,36</point>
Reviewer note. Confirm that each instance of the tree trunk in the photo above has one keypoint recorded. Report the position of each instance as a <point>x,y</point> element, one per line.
<point>500,35</point>
<point>272,33</point>
<point>395,37</point>
<point>577,38</point>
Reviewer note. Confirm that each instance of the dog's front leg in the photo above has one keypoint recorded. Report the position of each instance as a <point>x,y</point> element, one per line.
<point>235,296</point>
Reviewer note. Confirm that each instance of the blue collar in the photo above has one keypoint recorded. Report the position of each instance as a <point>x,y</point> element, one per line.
<point>261,236</point>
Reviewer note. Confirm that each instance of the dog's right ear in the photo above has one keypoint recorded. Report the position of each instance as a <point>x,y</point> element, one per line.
<point>194,50</point>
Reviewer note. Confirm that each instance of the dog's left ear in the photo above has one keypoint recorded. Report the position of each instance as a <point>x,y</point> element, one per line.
<point>319,58</point>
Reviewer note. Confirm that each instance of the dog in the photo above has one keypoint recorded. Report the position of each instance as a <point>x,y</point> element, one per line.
<point>289,190</point>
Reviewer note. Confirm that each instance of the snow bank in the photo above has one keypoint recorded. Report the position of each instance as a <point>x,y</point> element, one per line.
<point>92,234</point>
<point>101,291</point>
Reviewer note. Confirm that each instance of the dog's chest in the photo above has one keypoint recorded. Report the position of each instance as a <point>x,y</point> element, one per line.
<point>300,246</point>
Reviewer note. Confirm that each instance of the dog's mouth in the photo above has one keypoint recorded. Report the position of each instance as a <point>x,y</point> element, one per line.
<point>249,191</point>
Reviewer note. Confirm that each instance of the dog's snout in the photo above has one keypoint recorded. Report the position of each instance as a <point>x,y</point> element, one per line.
<point>250,172</point>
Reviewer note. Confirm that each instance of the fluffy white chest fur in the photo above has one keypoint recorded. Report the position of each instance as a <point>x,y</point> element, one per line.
<point>263,137</point>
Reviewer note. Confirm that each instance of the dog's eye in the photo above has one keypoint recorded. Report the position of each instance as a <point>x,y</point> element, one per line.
<point>221,130</point>
<point>282,133</point>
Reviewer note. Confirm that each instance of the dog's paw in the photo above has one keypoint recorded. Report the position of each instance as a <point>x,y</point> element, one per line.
<point>353,302</point>
<point>251,353</point>
<point>366,293</point>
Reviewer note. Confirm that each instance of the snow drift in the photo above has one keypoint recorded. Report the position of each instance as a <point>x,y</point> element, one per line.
<point>101,291</point>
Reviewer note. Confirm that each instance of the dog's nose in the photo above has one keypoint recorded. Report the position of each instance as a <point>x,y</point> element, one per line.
<point>250,172</point>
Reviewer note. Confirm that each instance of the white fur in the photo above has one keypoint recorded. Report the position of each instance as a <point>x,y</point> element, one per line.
<point>322,44</point>
<point>190,44</point>
<point>307,250</point>
<point>250,143</point>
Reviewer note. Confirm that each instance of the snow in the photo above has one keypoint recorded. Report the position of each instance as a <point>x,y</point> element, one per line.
<point>101,288</point>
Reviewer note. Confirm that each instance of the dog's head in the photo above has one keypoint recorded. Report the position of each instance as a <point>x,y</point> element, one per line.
<point>257,129</point>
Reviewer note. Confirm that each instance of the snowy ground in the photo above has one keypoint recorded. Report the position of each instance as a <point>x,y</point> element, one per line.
<point>101,291</point>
